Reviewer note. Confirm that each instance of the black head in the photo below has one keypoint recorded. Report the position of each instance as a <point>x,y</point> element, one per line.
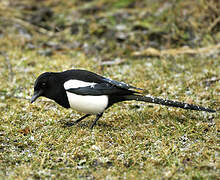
<point>50,85</point>
<point>42,86</point>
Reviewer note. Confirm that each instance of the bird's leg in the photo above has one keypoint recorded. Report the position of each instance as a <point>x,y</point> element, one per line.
<point>96,119</point>
<point>78,120</point>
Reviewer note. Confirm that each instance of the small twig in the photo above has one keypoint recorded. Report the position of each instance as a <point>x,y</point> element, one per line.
<point>27,24</point>
<point>217,20</point>
<point>212,7</point>
<point>208,82</point>
<point>34,75</point>
<point>113,62</point>
<point>178,51</point>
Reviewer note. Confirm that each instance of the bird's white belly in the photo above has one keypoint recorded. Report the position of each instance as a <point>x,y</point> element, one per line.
<point>88,104</point>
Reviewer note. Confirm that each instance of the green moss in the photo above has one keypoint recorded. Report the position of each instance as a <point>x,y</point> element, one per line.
<point>122,3</point>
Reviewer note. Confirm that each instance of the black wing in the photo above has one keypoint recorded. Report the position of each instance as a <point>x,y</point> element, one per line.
<point>119,84</point>
<point>88,76</point>
<point>100,89</point>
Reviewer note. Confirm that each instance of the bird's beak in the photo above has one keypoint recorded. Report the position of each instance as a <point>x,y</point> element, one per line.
<point>36,95</point>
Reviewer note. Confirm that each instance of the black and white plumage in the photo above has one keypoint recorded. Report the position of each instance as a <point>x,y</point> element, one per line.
<point>92,94</point>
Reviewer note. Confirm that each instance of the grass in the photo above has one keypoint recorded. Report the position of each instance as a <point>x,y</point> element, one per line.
<point>133,140</point>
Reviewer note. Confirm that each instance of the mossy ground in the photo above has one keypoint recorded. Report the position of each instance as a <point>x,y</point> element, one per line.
<point>133,140</point>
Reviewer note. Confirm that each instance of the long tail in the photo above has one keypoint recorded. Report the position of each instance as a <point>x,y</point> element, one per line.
<point>165,102</point>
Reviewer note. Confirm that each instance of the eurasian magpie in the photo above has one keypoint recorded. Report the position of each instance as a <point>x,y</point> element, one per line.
<point>92,94</point>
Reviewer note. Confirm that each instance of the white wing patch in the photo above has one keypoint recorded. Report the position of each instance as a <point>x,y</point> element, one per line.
<point>73,83</point>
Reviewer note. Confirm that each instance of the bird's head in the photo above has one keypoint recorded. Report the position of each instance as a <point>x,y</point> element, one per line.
<point>43,86</point>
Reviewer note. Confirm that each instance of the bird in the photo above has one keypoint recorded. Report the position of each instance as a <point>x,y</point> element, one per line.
<point>92,94</point>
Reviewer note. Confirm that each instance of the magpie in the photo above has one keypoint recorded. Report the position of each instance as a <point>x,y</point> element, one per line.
<point>92,94</point>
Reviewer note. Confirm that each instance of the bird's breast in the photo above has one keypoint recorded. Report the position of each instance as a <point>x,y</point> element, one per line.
<point>88,104</point>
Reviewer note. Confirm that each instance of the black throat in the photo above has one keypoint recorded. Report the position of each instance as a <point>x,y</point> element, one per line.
<point>57,92</point>
<point>62,99</point>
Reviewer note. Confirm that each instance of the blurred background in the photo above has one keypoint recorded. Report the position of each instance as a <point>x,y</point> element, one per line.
<point>108,30</point>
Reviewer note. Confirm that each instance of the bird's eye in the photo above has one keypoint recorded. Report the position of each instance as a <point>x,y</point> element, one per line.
<point>43,84</point>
